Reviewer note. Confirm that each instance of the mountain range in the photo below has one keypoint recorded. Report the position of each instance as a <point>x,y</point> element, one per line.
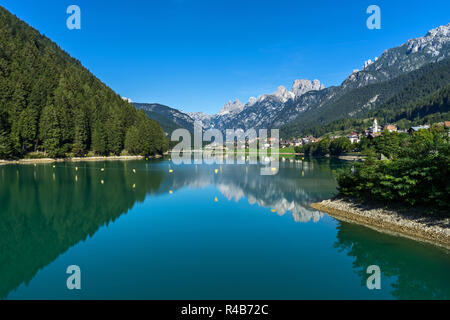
<point>309,103</point>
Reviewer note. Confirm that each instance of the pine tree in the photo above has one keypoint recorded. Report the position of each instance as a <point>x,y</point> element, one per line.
<point>115,134</point>
<point>5,145</point>
<point>28,127</point>
<point>132,141</point>
<point>99,140</point>
<point>80,143</point>
<point>50,131</point>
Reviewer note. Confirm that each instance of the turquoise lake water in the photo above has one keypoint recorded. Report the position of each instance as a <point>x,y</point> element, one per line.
<point>139,231</point>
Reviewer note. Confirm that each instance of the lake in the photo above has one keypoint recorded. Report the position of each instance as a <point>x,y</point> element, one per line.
<point>155,230</point>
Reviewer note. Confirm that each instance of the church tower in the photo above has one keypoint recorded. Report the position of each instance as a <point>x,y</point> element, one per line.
<point>375,126</point>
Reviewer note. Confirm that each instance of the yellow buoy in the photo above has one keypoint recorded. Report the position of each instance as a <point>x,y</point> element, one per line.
<point>216,171</point>
<point>134,186</point>
<point>134,170</point>
<point>102,182</point>
<point>76,168</point>
<point>54,166</point>
<point>171,192</point>
<point>303,173</point>
<point>273,210</point>
<point>303,158</point>
<point>102,169</point>
<point>170,171</point>
<point>216,200</point>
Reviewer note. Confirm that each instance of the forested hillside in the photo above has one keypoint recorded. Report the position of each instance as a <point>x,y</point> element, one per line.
<point>409,97</point>
<point>50,103</point>
<point>169,118</point>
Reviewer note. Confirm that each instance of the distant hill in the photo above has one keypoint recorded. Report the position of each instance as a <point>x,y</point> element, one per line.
<point>169,118</point>
<point>50,103</point>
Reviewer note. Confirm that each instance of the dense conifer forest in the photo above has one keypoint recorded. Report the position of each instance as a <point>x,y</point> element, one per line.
<point>50,105</point>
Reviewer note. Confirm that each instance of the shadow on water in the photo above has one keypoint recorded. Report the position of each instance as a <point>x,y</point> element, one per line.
<point>419,270</point>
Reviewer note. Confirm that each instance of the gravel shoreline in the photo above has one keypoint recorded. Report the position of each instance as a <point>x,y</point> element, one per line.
<point>413,224</point>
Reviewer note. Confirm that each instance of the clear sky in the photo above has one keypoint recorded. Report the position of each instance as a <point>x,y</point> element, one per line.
<point>196,55</point>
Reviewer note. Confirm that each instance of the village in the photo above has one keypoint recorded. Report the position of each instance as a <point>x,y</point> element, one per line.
<point>289,145</point>
<point>355,137</point>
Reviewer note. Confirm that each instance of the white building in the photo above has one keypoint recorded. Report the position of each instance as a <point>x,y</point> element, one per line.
<point>375,128</point>
<point>354,138</point>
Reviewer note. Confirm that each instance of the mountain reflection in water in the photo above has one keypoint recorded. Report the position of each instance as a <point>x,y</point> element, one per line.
<point>46,210</point>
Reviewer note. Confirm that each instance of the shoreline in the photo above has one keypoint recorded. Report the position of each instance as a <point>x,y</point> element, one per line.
<point>413,224</point>
<point>74,159</point>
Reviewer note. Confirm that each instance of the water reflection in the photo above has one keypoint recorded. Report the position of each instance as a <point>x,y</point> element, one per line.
<point>46,209</point>
<point>293,189</point>
<point>418,271</point>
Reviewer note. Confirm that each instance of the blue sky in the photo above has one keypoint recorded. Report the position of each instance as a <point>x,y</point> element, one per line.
<point>195,55</point>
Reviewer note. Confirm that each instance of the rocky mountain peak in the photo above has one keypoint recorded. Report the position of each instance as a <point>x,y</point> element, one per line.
<point>282,94</point>
<point>252,101</point>
<point>302,86</point>
<point>433,41</point>
<point>231,107</point>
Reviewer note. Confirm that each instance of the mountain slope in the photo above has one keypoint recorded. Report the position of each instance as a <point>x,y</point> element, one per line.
<point>258,112</point>
<point>49,102</point>
<point>322,106</point>
<point>360,102</point>
<point>169,118</point>
<point>309,104</point>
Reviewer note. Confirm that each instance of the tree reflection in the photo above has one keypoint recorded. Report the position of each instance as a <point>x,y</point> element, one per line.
<point>45,211</point>
<point>419,271</point>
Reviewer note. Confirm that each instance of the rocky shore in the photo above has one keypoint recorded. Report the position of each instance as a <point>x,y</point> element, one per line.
<point>412,223</point>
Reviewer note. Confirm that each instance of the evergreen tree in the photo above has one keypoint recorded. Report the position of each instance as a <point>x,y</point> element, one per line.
<point>114,132</point>
<point>80,144</point>
<point>5,145</point>
<point>99,141</point>
<point>50,131</point>
<point>49,101</point>
<point>132,141</point>
<point>28,128</point>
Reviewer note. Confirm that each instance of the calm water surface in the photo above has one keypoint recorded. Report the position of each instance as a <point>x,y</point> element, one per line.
<point>196,234</point>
